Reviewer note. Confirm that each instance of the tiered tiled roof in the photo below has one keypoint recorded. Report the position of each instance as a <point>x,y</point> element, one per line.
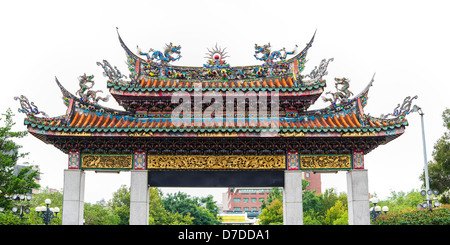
<point>88,119</point>
<point>347,118</point>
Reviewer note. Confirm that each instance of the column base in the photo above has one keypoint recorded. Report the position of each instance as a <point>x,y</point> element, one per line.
<point>292,198</point>
<point>139,198</point>
<point>358,197</point>
<point>73,197</point>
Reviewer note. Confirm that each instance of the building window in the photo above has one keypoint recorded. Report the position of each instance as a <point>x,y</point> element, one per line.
<point>245,200</point>
<point>254,200</point>
<point>307,175</point>
<point>246,209</point>
<point>261,199</point>
<point>254,209</point>
<point>237,209</point>
<point>236,200</point>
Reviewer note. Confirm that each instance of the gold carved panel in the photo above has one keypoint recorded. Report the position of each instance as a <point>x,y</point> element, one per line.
<point>101,161</point>
<point>223,162</point>
<point>325,162</point>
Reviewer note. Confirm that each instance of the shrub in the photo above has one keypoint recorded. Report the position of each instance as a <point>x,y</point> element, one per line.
<point>439,216</point>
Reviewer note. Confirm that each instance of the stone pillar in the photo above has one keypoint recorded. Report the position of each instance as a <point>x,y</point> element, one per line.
<point>358,197</point>
<point>73,197</point>
<point>292,198</point>
<point>139,197</point>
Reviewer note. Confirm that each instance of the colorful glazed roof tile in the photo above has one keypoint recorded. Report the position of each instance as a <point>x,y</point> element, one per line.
<point>83,117</point>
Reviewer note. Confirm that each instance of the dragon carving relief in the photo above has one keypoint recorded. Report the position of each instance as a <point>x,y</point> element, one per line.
<point>342,94</point>
<point>404,109</point>
<point>163,57</point>
<point>85,92</point>
<point>268,56</point>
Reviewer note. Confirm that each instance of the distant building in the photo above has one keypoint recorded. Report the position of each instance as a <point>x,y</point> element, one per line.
<point>248,200</point>
<point>315,182</point>
<point>244,200</point>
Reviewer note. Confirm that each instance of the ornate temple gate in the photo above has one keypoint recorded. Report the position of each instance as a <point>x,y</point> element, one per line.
<point>251,147</point>
<point>201,170</point>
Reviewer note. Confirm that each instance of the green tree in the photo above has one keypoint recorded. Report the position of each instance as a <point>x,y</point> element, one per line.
<point>184,204</point>
<point>318,209</point>
<point>415,216</point>
<point>10,183</point>
<point>444,197</point>
<point>327,208</point>
<point>398,201</point>
<point>10,218</point>
<point>311,202</point>
<point>210,204</point>
<point>99,214</point>
<point>272,214</point>
<point>277,193</point>
<point>328,200</point>
<point>274,194</point>
<point>38,199</point>
<point>312,218</point>
<point>336,215</point>
<point>439,167</point>
<point>120,204</point>
<point>158,215</point>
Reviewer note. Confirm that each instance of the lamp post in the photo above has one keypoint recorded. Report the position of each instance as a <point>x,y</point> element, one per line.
<point>375,211</point>
<point>427,180</point>
<point>429,201</point>
<point>46,213</point>
<point>428,192</point>
<point>21,207</point>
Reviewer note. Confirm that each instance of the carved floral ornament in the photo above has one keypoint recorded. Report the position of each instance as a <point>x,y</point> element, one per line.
<point>100,161</point>
<point>325,162</point>
<point>216,162</point>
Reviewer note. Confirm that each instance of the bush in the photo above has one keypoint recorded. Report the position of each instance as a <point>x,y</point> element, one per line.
<point>439,216</point>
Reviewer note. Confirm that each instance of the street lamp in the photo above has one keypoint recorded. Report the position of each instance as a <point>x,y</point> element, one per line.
<point>375,211</point>
<point>47,213</point>
<point>404,110</point>
<point>429,201</point>
<point>21,207</point>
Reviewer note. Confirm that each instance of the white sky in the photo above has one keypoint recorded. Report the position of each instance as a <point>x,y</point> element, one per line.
<point>406,43</point>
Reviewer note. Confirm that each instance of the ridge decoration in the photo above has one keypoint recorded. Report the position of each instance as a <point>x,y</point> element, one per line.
<point>164,57</point>
<point>30,109</point>
<point>342,94</point>
<point>85,92</point>
<point>404,109</point>
<point>268,56</point>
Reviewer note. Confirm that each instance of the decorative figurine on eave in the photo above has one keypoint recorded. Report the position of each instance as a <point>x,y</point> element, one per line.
<point>163,58</point>
<point>317,73</point>
<point>28,107</point>
<point>114,75</point>
<point>342,94</point>
<point>86,94</point>
<point>270,57</point>
<point>404,109</point>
